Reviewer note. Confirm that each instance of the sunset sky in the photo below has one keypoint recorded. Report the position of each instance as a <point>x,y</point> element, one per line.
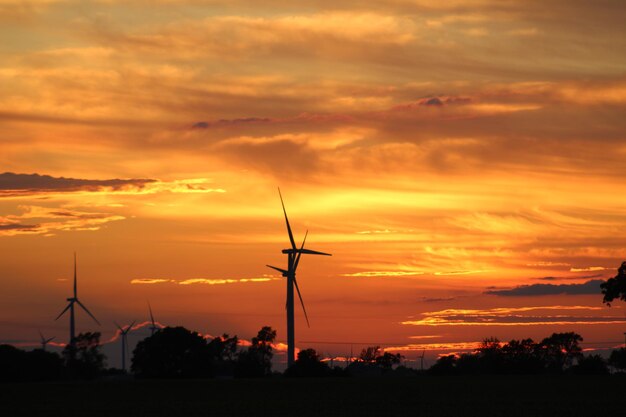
<point>463,161</point>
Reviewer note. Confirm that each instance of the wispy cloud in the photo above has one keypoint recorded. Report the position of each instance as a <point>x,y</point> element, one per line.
<point>589,269</point>
<point>513,316</point>
<point>52,220</point>
<point>383,274</point>
<point>202,281</point>
<point>25,185</point>
<point>589,287</point>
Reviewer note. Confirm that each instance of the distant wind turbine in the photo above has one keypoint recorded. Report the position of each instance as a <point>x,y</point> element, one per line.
<point>293,259</point>
<point>44,341</point>
<point>153,326</point>
<point>70,307</point>
<point>123,333</point>
<point>422,359</point>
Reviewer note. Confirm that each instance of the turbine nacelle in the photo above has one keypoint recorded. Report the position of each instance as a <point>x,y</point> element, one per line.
<point>304,252</point>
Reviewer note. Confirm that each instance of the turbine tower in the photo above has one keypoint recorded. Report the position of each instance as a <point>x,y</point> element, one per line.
<point>70,306</point>
<point>44,341</point>
<point>153,326</point>
<point>123,333</point>
<point>293,259</point>
<point>422,359</point>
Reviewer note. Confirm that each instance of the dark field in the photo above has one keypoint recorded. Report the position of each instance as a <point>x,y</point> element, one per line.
<point>420,396</point>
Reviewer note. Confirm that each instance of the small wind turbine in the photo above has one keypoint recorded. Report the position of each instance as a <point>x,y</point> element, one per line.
<point>44,341</point>
<point>70,306</point>
<point>123,333</point>
<point>293,259</point>
<point>153,326</point>
<point>422,359</point>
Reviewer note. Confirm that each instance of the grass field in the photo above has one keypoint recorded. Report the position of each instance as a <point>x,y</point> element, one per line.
<point>420,396</point>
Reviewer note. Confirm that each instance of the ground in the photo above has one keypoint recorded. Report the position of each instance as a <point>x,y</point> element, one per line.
<point>420,396</point>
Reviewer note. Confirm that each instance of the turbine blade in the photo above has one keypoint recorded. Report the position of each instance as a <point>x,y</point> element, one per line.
<point>41,335</point>
<point>313,252</point>
<point>64,310</point>
<point>282,271</point>
<point>88,312</point>
<point>293,242</point>
<point>295,265</point>
<point>130,327</point>
<point>118,326</point>
<point>75,290</point>
<point>50,340</point>
<point>151,316</point>
<point>301,302</point>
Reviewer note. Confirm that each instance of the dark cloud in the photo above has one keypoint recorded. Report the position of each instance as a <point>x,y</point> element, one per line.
<point>436,299</point>
<point>12,184</point>
<point>569,278</point>
<point>231,122</point>
<point>19,227</point>
<point>589,287</point>
<point>435,101</point>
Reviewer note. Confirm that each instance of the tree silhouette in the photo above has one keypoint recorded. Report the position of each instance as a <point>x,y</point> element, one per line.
<point>618,359</point>
<point>560,350</point>
<point>591,365</point>
<point>308,364</point>
<point>42,365</point>
<point>172,352</point>
<point>83,357</point>
<point>615,287</point>
<point>256,361</point>
<point>222,352</point>
<point>11,363</point>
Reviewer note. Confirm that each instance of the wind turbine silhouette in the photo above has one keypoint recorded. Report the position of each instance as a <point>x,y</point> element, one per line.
<point>153,326</point>
<point>123,333</point>
<point>44,341</point>
<point>70,306</point>
<point>293,259</point>
<point>422,359</point>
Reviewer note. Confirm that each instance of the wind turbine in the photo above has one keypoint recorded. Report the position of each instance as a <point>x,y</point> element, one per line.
<point>153,326</point>
<point>293,259</point>
<point>70,307</point>
<point>422,359</point>
<point>44,341</point>
<point>123,333</point>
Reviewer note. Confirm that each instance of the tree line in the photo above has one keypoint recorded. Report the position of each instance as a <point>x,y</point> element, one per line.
<point>176,353</point>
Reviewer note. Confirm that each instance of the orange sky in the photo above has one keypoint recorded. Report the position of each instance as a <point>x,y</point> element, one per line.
<point>444,152</point>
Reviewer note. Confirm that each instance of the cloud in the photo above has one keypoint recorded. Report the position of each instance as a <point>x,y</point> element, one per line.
<point>589,287</point>
<point>202,281</point>
<point>383,274</point>
<point>12,184</point>
<point>569,278</point>
<point>512,316</point>
<point>52,220</point>
<point>588,269</point>
<point>25,185</point>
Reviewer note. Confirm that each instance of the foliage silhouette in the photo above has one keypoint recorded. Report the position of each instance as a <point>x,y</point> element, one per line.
<point>256,361</point>
<point>554,354</point>
<point>560,350</point>
<point>172,352</point>
<point>83,357</point>
<point>308,364</point>
<point>615,287</point>
<point>41,365</point>
<point>373,361</point>
<point>11,363</point>
<point>591,365</point>
<point>222,352</point>
<point>618,359</point>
